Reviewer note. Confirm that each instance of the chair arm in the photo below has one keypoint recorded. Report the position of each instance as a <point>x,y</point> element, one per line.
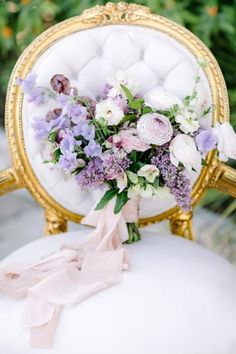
<point>224,179</point>
<point>9,181</point>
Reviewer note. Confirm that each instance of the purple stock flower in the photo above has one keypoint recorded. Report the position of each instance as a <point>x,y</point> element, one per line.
<point>68,161</point>
<point>206,141</point>
<point>92,175</point>
<point>115,166</point>
<point>76,112</point>
<point>93,149</point>
<point>176,180</point>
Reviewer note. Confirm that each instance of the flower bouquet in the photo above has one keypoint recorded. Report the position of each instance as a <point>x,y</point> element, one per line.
<point>128,145</point>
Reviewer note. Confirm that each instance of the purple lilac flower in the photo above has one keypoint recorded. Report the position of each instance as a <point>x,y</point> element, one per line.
<point>68,161</point>
<point>176,180</point>
<point>76,112</point>
<point>206,141</point>
<point>115,166</point>
<point>93,149</point>
<point>92,175</point>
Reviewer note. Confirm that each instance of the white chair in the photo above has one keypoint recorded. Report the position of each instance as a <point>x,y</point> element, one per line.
<point>178,298</point>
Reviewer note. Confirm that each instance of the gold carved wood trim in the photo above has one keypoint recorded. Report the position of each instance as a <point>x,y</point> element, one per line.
<point>110,14</point>
<point>9,181</point>
<point>224,179</point>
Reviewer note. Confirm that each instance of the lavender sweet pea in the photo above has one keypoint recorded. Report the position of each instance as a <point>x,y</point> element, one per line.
<point>206,141</point>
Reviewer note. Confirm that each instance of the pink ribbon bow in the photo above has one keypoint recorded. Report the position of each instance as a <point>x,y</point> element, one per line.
<point>73,273</point>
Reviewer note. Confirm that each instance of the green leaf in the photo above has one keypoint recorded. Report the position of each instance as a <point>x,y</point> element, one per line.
<point>204,163</point>
<point>133,156</point>
<point>127,92</point>
<point>56,155</point>
<point>147,109</point>
<point>121,200</point>
<point>52,136</point>
<point>135,105</point>
<point>129,117</point>
<point>106,198</point>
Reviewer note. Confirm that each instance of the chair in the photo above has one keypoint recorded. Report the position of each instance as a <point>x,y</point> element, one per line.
<point>178,297</point>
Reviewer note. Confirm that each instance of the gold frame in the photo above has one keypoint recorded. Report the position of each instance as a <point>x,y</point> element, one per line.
<point>215,175</point>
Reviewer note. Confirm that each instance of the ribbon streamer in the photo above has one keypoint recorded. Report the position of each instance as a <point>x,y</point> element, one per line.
<point>73,273</point>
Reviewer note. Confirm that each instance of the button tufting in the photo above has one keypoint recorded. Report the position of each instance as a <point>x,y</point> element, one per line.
<point>88,58</point>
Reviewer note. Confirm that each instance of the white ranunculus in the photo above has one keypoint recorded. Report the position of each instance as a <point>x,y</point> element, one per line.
<point>122,78</point>
<point>150,172</point>
<point>188,121</point>
<point>183,149</point>
<point>226,141</point>
<point>110,111</point>
<point>154,128</point>
<point>162,100</point>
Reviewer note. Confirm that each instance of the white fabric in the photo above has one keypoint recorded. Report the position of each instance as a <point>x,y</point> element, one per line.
<point>88,58</point>
<point>177,298</point>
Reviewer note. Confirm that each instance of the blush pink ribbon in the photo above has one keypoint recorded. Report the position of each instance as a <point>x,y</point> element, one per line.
<point>72,274</point>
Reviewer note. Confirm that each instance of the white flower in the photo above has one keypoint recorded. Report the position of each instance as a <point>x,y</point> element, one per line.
<point>121,78</point>
<point>110,111</point>
<point>47,152</point>
<point>150,172</point>
<point>226,141</point>
<point>122,182</point>
<point>162,100</point>
<point>183,149</point>
<point>188,121</point>
<point>154,128</point>
<point>132,177</point>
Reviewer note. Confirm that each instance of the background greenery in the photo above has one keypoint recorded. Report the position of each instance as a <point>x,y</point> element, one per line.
<point>213,21</point>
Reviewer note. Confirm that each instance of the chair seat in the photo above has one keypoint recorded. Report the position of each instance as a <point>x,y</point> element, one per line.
<point>177,298</point>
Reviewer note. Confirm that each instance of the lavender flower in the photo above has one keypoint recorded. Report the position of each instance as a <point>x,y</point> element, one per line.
<point>93,149</point>
<point>34,94</point>
<point>76,112</point>
<point>67,144</point>
<point>206,141</point>
<point>68,161</point>
<point>115,165</point>
<point>92,175</point>
<point>176,180</point>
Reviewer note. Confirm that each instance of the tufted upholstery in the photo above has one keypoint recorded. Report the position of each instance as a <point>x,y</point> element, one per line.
<point>88,58</point>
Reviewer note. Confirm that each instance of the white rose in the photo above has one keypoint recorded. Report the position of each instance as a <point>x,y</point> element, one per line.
<point>226,141</point>
<point>121,78</point>
<point>183,149</point>
<point>162,100</point>
<point>187,121</point>
<point>110,111</point>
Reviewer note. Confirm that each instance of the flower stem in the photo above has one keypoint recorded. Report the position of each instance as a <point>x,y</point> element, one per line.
<point>134,234</point>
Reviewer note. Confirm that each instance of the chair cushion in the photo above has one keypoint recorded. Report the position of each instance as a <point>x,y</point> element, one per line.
<point>177,298</point>
<point>88,57</point>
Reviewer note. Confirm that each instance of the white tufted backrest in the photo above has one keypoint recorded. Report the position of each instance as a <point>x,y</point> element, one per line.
<point>87,58</point>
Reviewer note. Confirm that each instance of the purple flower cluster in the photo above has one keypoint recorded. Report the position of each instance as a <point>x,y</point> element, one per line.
<point>92,175</point>
<point>176,180</point>
<point>115,166</point>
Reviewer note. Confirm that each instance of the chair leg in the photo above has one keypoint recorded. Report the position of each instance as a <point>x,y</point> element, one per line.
<point>55,223</point>
<point>181,225</point>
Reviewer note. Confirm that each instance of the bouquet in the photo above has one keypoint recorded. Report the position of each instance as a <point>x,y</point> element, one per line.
<point>128,145</point>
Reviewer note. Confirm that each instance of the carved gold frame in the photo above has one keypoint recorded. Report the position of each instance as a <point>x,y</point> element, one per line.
<point>215,175</point>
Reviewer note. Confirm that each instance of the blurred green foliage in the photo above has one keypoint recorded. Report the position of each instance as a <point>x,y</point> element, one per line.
<point>213,21</point>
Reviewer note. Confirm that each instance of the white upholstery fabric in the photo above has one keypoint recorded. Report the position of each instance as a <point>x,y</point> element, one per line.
<point>178,298</point>
<point>88,58</point>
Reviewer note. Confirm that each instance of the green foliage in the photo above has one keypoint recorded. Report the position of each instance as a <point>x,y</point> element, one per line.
<point>213,21</point>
